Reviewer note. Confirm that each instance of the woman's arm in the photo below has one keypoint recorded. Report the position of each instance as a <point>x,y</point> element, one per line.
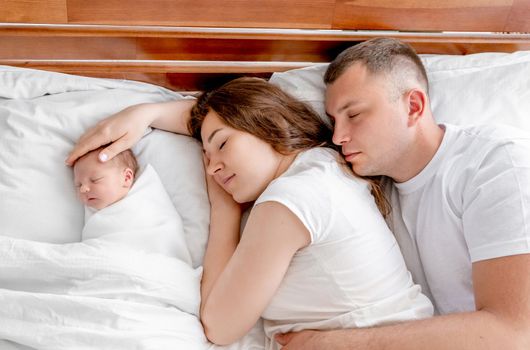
<point>246,284</point>
<point>123,129</point>
<point>241,276</point>
<point>225,222</point>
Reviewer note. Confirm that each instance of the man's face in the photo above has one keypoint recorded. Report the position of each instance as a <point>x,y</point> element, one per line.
<point>100,184</point>
<point>370,124</point>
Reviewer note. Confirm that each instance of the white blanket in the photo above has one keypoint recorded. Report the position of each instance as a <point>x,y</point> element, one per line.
<point>97,295</point>
<point>144,220</point>
<point>129,285</point>
<point>114,290</point>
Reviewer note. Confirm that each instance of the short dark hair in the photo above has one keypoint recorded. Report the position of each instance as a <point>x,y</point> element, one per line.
<point>381,55</point>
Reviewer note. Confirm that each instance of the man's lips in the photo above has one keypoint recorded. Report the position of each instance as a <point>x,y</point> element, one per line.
<point>349,156</point>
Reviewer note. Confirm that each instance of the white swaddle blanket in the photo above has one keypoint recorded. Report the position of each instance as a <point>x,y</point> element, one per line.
<point>144,220</point>
<point>128,285</point>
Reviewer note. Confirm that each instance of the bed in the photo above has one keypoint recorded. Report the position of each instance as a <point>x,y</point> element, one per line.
<point>66,64</point>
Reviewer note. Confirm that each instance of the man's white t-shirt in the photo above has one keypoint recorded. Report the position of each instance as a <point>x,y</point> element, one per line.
<point>470,203</point>
<point>352,274</point>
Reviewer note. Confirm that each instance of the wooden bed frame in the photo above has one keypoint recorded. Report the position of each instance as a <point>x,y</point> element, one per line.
<point>193,45</point>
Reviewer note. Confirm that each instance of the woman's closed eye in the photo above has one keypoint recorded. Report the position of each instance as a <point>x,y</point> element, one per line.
<point>353,115</point>
<point>222,145</point>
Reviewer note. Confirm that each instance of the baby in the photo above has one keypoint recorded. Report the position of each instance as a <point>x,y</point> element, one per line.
<point>141,217</point>
<point>102,184</point>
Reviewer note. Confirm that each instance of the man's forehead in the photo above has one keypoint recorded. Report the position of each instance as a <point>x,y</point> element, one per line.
<point>339,99</point>
<point>352,87</point>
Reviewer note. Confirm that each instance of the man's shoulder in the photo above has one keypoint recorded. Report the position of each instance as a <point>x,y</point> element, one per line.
<point>476,144</point>
<point>490,133</point>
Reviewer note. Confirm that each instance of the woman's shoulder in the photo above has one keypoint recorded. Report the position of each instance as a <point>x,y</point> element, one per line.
<point>323,166</point>
<point>316,174</point>
<point>305,178</point>
<point>313,162</point>
<point>319,155</point>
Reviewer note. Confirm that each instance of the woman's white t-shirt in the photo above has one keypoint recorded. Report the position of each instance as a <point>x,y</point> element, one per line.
<point>352,274</point>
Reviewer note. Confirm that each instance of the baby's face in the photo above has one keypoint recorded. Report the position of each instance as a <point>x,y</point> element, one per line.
<point>101,184</point>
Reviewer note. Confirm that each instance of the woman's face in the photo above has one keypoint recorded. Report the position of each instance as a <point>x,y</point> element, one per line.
<point>242,164</point>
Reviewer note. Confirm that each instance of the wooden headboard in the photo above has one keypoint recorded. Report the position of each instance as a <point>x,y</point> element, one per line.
<point>194,44</point>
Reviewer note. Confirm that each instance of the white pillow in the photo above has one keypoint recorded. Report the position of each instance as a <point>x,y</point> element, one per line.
<point>473,89</point>
<point>42,114</point>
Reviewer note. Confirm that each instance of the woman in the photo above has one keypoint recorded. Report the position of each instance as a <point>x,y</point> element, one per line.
<point>315,251</point>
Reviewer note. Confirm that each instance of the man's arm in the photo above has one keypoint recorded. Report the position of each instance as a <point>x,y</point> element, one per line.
<point>502,319</point>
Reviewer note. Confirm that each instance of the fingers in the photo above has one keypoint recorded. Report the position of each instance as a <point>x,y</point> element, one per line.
<point>95,138</point>
<point>283,339</point>
<point>89,141</point>
<point>114,149</point>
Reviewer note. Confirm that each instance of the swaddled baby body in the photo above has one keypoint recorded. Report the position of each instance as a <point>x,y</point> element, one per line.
<point>136,213</point>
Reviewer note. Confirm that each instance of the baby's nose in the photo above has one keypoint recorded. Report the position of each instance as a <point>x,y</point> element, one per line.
<point>84,189</point>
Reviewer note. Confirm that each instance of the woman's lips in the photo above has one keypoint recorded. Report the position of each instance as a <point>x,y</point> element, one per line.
<point>228,179</point>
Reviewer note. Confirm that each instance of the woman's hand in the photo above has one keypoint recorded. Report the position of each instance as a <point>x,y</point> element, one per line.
<point>219,198</point>
<point>121,130</point>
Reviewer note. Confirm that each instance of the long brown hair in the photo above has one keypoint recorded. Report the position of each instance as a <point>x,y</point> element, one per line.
<point>264,110</point>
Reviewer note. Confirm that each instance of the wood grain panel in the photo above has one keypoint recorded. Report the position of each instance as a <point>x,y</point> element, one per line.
<point>519,19</point>
<point>423,15</point>
<point>187,83</point>
<point>66,48</point>
<point>187,58</point>
<point>135,66</point>
<point>238,50</point>
<point>33,11</point>
<point>226,13</point>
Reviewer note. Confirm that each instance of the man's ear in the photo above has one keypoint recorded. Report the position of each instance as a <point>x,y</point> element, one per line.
<point>417,102</point>
<point>128,177</point>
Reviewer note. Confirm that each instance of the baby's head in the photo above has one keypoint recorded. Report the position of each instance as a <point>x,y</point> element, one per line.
<point>102,184</point>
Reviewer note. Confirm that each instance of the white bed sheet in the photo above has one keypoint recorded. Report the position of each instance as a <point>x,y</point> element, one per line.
<point>42,114</point>
<point>58,293</point>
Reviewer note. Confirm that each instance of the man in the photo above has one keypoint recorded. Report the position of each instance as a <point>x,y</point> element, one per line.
<point>460,200</point>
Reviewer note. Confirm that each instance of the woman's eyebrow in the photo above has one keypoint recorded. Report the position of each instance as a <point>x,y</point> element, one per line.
<point>213,133</point>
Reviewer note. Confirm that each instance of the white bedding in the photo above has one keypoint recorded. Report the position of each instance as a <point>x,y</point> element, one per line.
<point>144,220</point>
<point>42,115</point>
<point>59,293</point>
<point>97,295</point>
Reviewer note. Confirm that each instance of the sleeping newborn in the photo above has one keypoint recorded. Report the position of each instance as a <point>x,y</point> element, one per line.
<point>137,212</point>
<point>102,184</point>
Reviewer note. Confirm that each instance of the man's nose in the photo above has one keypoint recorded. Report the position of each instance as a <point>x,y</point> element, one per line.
<point>340,136</point>
<point>214,166</point>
